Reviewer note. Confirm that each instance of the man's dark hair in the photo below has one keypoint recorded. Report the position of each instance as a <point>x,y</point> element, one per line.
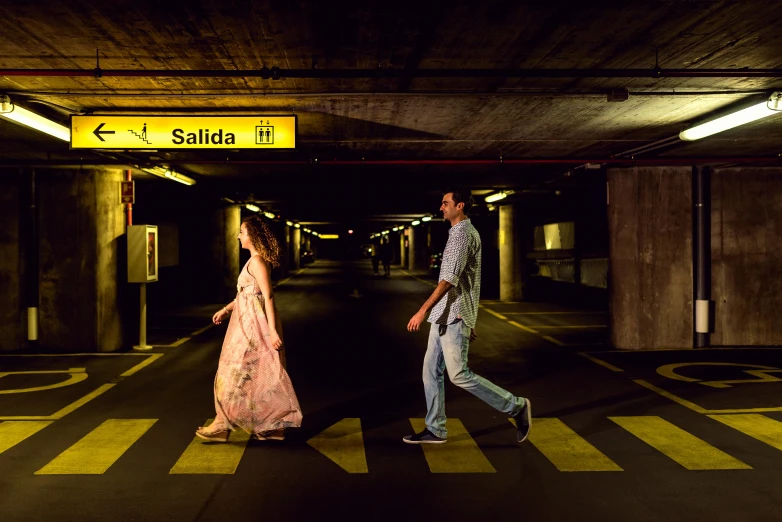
<point>461,195</point>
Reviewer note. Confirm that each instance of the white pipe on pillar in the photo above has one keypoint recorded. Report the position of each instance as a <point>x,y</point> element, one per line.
<point>142,333</point>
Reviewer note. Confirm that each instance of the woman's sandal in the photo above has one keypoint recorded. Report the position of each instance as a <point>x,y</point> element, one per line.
<point>213,436</point>
<point>270,435</point>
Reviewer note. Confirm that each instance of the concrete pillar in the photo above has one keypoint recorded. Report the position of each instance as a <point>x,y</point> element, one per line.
<point>402,249</point>
<point>411,249</point>
<point>650,278</point>
<point>223,260</point>
<point>307,243</point>
<point>511,261</point>
<point>296,242</point>
<point>81,226</point>
<point>12,334</point>
<point>285,247</point>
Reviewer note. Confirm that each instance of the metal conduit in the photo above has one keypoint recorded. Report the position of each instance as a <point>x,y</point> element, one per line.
<point>277,73</point>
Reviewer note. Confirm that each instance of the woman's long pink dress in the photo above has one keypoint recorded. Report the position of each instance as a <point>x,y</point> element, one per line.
<point>252,389</point>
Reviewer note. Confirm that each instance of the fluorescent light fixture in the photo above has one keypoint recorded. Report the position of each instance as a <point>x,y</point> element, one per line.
<point>396,229</point>
<point>297,225</point>
<point>426,218</point>
<point>181,178</point>
<point>329,236</point>
<point>252,207</point>
<point>306,229</point>
<point>162,172</point>
<point>498,196</point>
<point>29,119</point>
<point>760,110</point>
<point>289,223</point>
<point>269,215</point>
<point>415,223</point>
<point>384,232</point>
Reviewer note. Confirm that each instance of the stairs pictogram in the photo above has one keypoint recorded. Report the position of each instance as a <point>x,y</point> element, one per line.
<point>136,134</point>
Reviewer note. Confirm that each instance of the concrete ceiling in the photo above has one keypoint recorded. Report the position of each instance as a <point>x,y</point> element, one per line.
<point>403,112</point>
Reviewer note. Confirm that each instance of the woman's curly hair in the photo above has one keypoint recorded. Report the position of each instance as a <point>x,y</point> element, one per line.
<point>263,240</point>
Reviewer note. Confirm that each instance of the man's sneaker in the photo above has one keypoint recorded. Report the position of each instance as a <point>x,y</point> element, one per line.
<point>425,437</point>
<point>523,421</point>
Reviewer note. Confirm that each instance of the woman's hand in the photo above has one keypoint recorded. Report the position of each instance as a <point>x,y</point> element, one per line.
<point>220,315</point>
<point>274,340</point>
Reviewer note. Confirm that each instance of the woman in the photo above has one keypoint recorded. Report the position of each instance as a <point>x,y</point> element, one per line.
<point>252,389</point>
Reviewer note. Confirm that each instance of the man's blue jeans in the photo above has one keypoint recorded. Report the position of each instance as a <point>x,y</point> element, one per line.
<point>449,351</point>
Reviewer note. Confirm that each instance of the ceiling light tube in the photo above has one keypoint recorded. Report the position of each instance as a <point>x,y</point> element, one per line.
<point>181,178</point>
<point>29,119</point>
<point>252,207</point>
<point>289,223</point>
<point>426,218</point>
<point>498,196</point>
<point>760,110</point>
<point>269,215</point>
<point>415,223</point>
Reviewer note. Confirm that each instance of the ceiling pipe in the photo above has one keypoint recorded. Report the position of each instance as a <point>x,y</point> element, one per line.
<point>276,73</point>
<point>450,162</point>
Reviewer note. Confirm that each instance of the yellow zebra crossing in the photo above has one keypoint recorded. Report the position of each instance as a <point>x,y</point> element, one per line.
<point>343,444</point>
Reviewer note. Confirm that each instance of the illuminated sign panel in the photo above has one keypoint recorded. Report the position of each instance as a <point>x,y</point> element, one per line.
<point>183,132</point>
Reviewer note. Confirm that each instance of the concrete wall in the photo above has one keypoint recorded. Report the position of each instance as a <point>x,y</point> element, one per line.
<point>746,246</point>
<point>650,257</point>
<point>11,321</point>
<point>81,223</point>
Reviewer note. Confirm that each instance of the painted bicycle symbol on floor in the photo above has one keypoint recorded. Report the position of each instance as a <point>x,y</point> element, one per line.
<point>759,373</point>
<point>77,375</point>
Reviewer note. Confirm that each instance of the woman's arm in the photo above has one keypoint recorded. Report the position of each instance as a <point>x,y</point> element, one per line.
<point>260,270</point>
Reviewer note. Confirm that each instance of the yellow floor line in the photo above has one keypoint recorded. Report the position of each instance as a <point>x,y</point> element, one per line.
<point>459,455</point>
<point>343,443</point>
<point>555,313</point>
<point>143,364</point>
<point>601,363</point>
<point>679,445</point>
<point>99,449</point>
<point>202,330</point>
<point>572,326</point>
<point>552,340</point>
<point>757,426</point>
<point>668,395</point>
<point>176,343</point>
<point>567,450</point>
<point>81,402</point>
<point>212,458</point>
<point>525,328</point>
<point>495,314</point>
<point>12,433</point>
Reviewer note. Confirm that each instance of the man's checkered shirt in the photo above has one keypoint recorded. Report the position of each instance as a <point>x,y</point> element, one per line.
<point>461,266</point>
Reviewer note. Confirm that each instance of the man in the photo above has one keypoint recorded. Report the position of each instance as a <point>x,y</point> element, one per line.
<point>454,308</point>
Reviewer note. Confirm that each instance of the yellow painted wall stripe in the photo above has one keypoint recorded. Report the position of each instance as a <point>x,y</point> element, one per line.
<point>567,450</point>
<point>12,433</point>
<point>212,458</point>
<point>685,448</point>
<point>99,449</point>
<point>459,455</point>
<point>343,443</point>
<point>757,426</point>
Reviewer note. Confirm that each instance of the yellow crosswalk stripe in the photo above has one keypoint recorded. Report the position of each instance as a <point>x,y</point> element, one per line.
<point>681,446</point>
<point>99,449</point>
<point>343,443</point>
<point>459,455</point>
<point>212,458</point>
<point>14,432</point>
<point>567,450</point>
<point>755,425</point>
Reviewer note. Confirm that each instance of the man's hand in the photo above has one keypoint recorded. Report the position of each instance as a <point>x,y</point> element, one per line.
<point>415,322</point>
<point>473,335</point>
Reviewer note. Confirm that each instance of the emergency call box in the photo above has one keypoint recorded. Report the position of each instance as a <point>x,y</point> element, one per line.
<point>142,254</point>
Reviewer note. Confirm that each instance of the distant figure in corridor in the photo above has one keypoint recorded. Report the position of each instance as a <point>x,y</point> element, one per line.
<point>454,309</point>
<point>386,256</point>
<point>375,256</point>
<point>252,390</point>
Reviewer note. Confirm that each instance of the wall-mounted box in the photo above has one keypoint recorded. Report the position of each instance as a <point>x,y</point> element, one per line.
<point>142,253</point>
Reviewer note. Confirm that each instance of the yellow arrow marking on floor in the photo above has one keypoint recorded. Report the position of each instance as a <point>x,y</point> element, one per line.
<point>212,458</point>
<point>343,443</point>
<point>12,432</point>
<point>757,426</point>
<point>686,449</point>
<point>459,455</point>
<point>567,450</point>
<point>99,449</point>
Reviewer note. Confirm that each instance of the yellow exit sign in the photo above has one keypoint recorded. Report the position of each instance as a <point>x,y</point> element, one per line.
<point>183,132</point>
